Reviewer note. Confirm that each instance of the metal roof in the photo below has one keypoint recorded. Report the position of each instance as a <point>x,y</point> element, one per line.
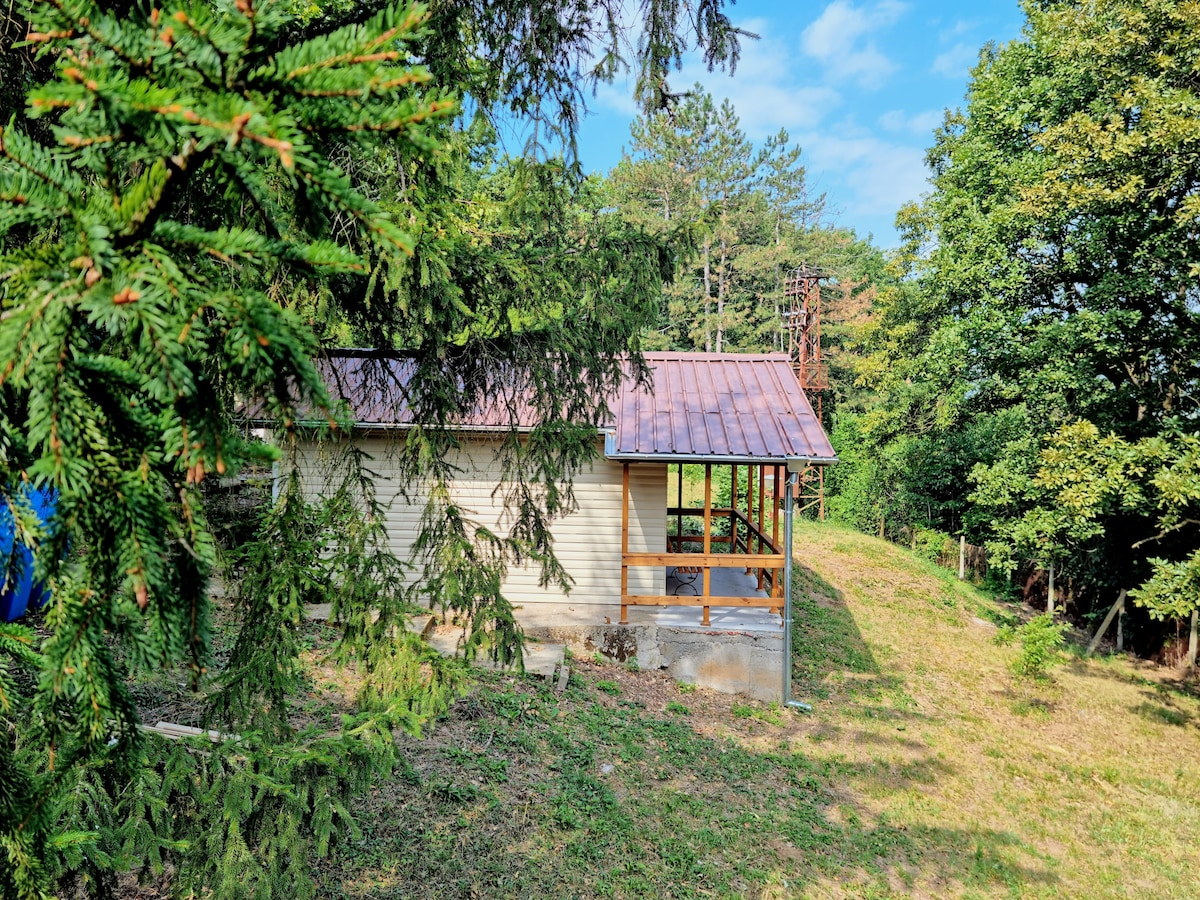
<point>378,390</point>
<point>718,407</point>
<point>701,407</point>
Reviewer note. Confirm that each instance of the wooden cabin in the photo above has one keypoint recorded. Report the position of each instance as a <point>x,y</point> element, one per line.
<point>629,545</point>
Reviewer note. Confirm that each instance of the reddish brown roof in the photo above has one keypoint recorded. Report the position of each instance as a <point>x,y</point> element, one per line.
<point>718,407</point>
<point>721,407</point>
<point>377,388</point>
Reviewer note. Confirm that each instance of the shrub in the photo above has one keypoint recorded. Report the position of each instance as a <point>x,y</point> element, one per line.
<point>1040,639</point>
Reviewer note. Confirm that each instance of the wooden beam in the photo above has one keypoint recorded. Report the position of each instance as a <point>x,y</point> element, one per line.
<point>771,545</point>
<point>688,600</point>
<point>776,494</point>
<point>733,495</point>
<point>749,511</point>
<point>761,536</point>
<point>715,560</point>
<point>624,540</point>
<point>707,535</point>
<point>679,500</point>
<point>1112,613</point>
<point>699,539</point>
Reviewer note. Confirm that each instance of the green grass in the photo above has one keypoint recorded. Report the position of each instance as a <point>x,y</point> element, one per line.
<point>925,769</point>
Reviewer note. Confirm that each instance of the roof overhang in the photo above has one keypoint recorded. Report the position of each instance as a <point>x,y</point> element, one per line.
<point>793,463</point>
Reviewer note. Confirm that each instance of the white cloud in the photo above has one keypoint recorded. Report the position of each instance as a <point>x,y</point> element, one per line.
<point>955,62</point>
<point>840,40</point>
<point>765,90</point>
<point>768,91</point>
<point>920,124</point>
<point>880,175</point>
<point>958,29</point>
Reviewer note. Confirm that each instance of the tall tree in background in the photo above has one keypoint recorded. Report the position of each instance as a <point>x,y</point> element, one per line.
<point>742,218</point>
<point>1058,282</point>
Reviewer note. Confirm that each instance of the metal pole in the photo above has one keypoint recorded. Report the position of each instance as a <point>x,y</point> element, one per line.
<point>788,502</point>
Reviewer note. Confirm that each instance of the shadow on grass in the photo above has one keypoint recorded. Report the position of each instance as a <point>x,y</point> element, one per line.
<point>1180,684</point>
<point>826,642</point>
<point>526,793</point>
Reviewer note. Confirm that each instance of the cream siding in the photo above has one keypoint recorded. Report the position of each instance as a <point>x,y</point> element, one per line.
<point>587,542</point>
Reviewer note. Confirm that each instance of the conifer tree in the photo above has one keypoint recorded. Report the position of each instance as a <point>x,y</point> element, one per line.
<point>176,242</point>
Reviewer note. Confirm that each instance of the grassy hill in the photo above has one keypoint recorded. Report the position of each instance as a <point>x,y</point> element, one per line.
<point>924,769</point>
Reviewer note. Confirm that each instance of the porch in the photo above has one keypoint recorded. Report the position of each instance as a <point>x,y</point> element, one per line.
<point>723,559</point>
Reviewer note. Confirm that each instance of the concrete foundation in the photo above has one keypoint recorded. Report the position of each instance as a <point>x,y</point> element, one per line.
<point>740,652</point>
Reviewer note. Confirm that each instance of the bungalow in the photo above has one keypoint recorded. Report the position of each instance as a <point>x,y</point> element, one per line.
<point>641,561</point>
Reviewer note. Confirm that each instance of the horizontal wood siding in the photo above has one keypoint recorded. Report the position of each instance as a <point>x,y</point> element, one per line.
<point>587,542</point>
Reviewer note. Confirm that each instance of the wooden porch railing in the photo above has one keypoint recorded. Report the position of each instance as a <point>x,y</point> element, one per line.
<point>747,547</point>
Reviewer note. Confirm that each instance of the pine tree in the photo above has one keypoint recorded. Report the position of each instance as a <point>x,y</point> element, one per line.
<point>176,243</point>
<point>188,169</point>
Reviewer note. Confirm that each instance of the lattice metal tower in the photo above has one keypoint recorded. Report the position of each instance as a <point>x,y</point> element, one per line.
<point>802,321</point>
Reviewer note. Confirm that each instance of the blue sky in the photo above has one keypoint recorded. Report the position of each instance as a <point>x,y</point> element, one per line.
<point>859,84</point>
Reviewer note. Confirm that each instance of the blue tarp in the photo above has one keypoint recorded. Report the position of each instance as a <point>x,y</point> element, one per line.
<point>17,589</point>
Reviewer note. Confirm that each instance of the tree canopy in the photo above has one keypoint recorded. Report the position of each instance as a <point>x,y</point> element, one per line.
<point>1038,370</point>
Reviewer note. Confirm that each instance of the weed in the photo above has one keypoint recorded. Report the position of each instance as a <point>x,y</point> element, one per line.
<point>1040,639</point>
<point>609,687</point>
<point>685,687</point>
<point>679,708</point>
<point>631,665</point>
<point>599,659</point>
<point>772,713</point>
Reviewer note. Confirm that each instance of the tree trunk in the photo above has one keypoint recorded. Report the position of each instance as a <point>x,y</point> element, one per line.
<point>722,284</point>
<point>707,296</point>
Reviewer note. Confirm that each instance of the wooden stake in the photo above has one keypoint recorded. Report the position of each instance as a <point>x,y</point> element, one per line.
<point>1116,608</point>
<point>624,542</point>
<point>1050,592</point>
<point>962,557</point>
<point>1193,639</point>
<point>707,537</point>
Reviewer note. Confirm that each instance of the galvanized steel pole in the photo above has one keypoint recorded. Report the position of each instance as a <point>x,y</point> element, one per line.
<point>788,512</point>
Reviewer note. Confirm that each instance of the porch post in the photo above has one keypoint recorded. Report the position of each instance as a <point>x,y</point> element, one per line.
<point>707,537</point>
<point>679,518</point>
<point>776,492</point>
<point>624,543</point>
<point>749,511</point>
<point>761,497</point>
<point>733,495</point>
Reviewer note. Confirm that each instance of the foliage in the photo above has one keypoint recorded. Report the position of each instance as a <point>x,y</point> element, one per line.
<point>1049,281</point>
<point>198,198</point>
<point>742,218</point>
<point>1094,478</point>
<point>1040,639</point>
<point>531,63</point>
